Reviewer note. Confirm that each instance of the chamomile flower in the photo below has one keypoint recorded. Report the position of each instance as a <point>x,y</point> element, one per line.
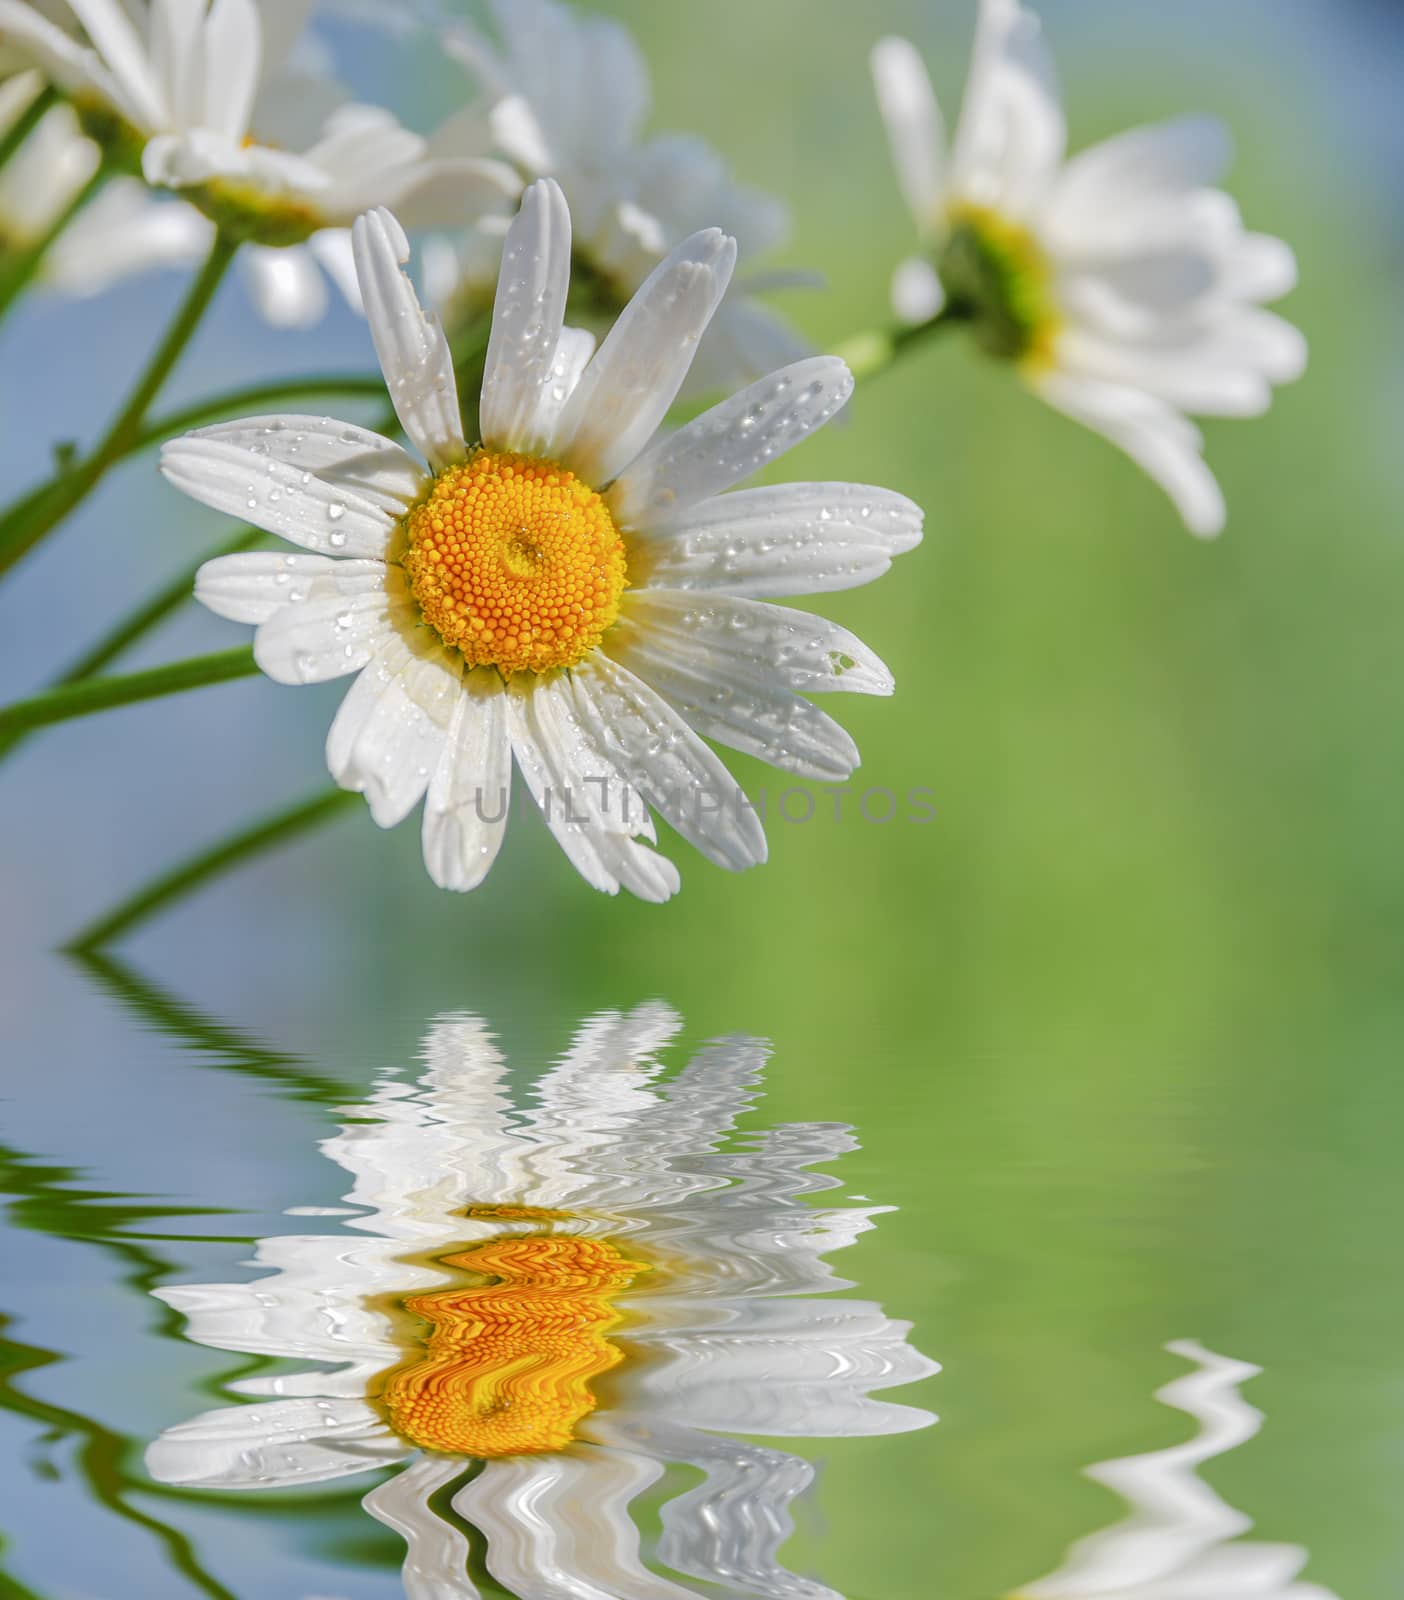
<point>1122,282</point>
<point>212,103</point>
<point>567,96</point>
<point>121,232</point>
<point>1181,1537</point>
<point>568,1295</point>
<point>577,591</point>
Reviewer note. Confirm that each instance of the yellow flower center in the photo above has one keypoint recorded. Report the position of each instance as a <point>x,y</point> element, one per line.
<point>506,1368</point>
<point>1001,274</point>
<point>515,562</point>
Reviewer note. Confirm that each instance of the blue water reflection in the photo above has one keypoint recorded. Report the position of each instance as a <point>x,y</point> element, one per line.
<point>540,1303</point>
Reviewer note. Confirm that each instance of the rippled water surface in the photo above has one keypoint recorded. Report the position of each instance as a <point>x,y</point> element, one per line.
<point>555,1305</point>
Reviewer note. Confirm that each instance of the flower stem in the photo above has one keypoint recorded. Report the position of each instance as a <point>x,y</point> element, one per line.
<point>102,694</point>
<point>869,355</point>
<point>36,515</point>
<point>33,114</point>
<point>189,875</point>
<point>21,271</point>
<point>244,403</point>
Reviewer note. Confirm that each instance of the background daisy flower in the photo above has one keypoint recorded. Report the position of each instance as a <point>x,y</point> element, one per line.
<point>1176,1540</point>
<point>227,106</point>
<point>1121,281</point>
<point>569,1295</point>
<point>578,592</point>
<point>123,231</point>
<point>567,95</point>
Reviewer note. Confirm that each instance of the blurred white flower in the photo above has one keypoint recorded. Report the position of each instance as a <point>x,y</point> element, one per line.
<point>121,232</point>
<point>1121,281</point>
<point>1176,1542</point>
<point>578,591</point>
<point>570,1294</point>
<point>220,105</point>
<point>566,97</point>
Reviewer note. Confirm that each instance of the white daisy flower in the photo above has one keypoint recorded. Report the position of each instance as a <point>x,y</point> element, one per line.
<point>569,1296</point>
<point>121,232</point>
<point>577,591</point>
<point>567,98</point>
<point>1121,281</point>
<point>1176,1542</point>
<point>214,103</point>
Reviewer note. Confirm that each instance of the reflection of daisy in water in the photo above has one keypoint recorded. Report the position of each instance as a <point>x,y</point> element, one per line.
<point>546,1306</point>
<point>1175,1544</point>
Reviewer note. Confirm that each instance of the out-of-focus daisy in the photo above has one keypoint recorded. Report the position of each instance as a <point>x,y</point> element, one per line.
<point>567,96</point>
<point>213,102</point>
<point>577,591</point>
<point>1121,281</point>
<point>121,232</point>
<point>1176,1542</point>
<point>567,1296</point>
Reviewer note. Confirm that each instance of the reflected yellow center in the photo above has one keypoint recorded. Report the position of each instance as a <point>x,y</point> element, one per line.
<point>515,562</point>
<point>506,1368</point>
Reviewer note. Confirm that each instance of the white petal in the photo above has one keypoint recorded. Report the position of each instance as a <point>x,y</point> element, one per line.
<point>762,719</point>
<point>1143,165</point>
<point>253,585</point>
<point>1012,135</point>
<point>389,733</point>
<point>330,636</point>
<point>794,538</point>
<point>732,1525</point>
<point>436,1553</point>
<point>914,126</point>
<point>730,442</point>
<point>414,352</point>
<point>470,791</point>
<point>917,291</point>
<point>1160,441</point>
<point>177,30</point>
<point>527,318</point>
<point>234,46</point>
<point>449,192</point>
<point>1261,268</point>
<point>342,454</point>
<point>336,255</point>
<point>837,1352</point>
<point>558,1526</point>
<point>286,286</point>
<point>272,494</point>
<point>122,49</point>
<point>764,644</point>
<point>274,1446</point>
<point>635,376</point>
<point>659,755</point>
<point>34,38</point>
<point>552,748</point>
<point>573,352</point>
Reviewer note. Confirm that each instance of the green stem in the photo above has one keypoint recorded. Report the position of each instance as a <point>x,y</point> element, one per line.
<point>138,623</point>
<point>27,524</point>
<point>869,355</point>
<point>243,402</point>
<point>223,857</point>
<point>102,694</point>
<point>21,271</point>
<point>33,114</point>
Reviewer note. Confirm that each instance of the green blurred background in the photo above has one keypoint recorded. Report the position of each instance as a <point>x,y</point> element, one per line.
<point>1119,1029</point>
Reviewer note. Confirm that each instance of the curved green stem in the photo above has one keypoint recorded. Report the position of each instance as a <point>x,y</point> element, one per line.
<point>102,694</point>
<point>869,355</point>
<point>28,120</point>
<point>189,875</point>
<point>26,524</point>
<point>241,402</point>
<point>22,270</point>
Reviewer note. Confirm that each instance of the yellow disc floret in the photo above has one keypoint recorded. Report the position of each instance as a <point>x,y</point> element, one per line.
<point>506,1369</point>
<point>515,562</point>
